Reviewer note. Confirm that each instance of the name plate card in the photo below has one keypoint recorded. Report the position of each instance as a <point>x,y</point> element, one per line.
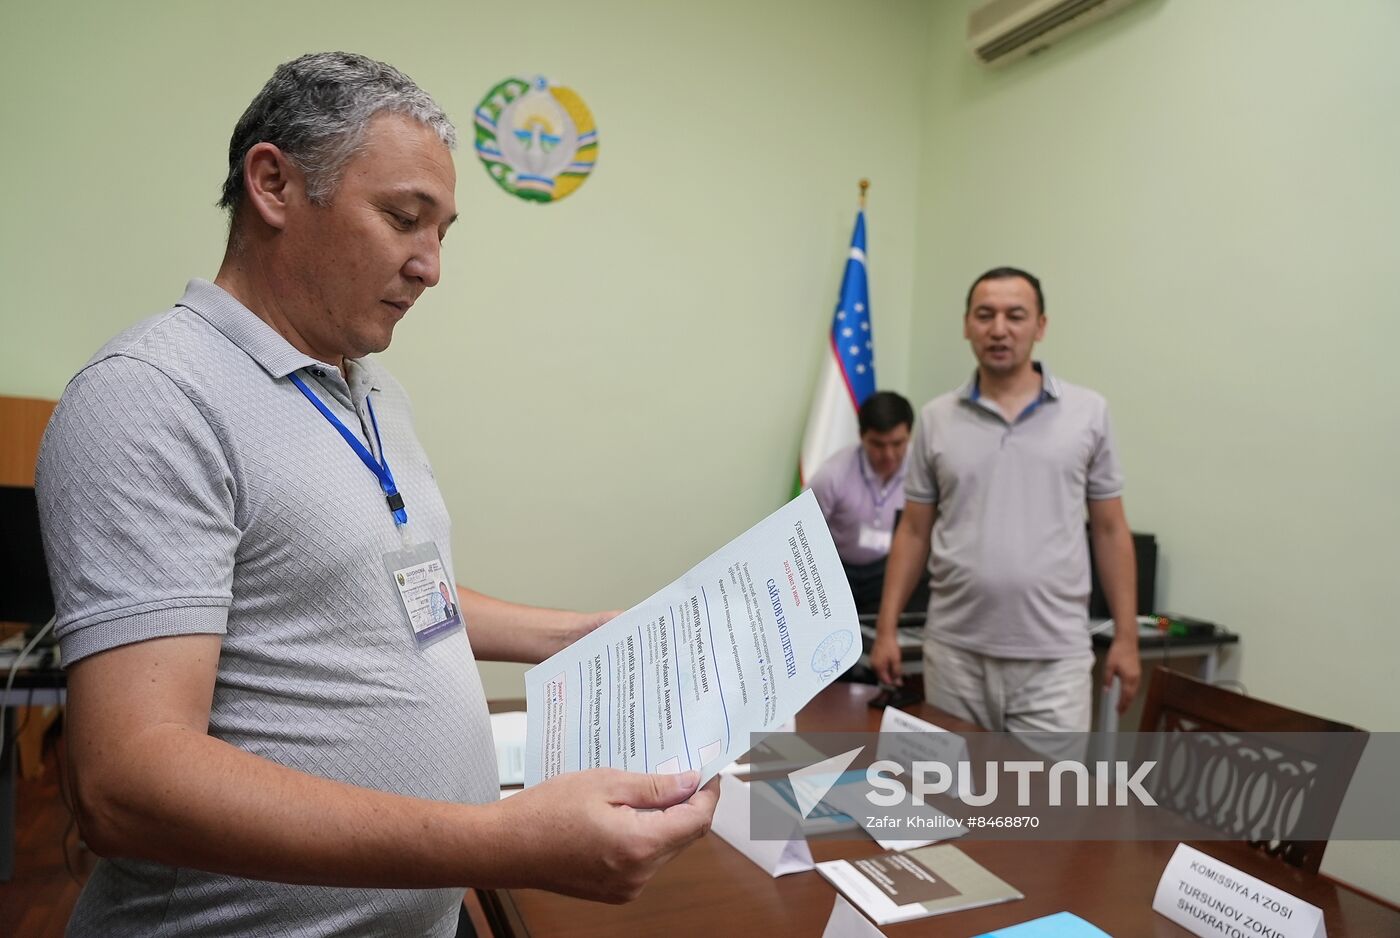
<point>731,824</point>
<point>846,922</point>
<point>1208,897</point>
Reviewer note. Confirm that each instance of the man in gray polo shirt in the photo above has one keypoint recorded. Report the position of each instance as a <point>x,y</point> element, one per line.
<point>1001,474</point>
<point>275,721</point>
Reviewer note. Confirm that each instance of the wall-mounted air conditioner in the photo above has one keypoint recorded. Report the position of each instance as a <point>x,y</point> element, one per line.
<point>1002,30</point>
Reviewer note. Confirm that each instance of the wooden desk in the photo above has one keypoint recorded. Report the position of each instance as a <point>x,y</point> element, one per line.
<point>711,889</point>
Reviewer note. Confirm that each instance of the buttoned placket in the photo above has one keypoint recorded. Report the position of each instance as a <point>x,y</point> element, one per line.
<point>1009,426</point>
<point>352,396</point>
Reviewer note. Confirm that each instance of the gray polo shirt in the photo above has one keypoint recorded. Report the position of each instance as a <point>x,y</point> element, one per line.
<point>187,486</point>
<point>1009,561</point>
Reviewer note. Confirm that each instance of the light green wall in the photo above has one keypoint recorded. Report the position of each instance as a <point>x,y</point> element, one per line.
<point>610,387</point>
<point>1208,189</point>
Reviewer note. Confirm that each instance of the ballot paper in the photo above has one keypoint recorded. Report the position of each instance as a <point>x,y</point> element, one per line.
<point>685,679</point>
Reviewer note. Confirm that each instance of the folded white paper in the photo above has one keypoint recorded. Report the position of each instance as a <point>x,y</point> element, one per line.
<point>846,922</point>
<point>1207,896</point>
<point>732,824</point>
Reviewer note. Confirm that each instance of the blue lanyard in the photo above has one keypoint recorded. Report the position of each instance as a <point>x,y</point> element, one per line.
<point>380,467</point>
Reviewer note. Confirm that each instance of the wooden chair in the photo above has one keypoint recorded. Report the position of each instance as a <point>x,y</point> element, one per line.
<point>1222,764</point>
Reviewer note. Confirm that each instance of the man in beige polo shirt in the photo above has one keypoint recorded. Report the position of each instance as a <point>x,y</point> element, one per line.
<point>1002,472</point>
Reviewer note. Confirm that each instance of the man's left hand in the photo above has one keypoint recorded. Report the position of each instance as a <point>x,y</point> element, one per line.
<point>1123,663</point>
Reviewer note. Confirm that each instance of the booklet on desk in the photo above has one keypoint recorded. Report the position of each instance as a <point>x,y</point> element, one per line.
<point>897,887</point>
<point>823,818</point>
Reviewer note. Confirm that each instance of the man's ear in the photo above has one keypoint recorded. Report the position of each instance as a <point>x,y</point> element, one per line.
<point>271,183</point>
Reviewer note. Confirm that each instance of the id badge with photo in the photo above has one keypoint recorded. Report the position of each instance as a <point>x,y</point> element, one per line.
<point>872,538</point>
<point>426,591</point>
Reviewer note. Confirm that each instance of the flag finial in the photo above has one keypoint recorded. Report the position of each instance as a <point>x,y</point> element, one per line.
<point>864,184</point>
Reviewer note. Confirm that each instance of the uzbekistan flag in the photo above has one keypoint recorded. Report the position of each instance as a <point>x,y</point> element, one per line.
<point>848,369</point>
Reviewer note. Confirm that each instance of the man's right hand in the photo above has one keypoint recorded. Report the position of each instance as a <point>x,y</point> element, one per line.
<point>602,834</point>
<point>885,661</point>
<point>152,784</point>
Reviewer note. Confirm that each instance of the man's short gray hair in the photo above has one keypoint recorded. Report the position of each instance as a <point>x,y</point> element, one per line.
<point>315,109</point>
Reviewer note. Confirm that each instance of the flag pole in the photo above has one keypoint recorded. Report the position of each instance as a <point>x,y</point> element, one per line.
<point>847,374</point>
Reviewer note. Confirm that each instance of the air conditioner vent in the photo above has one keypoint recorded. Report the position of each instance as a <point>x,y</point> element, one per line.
<point>1003,30</point>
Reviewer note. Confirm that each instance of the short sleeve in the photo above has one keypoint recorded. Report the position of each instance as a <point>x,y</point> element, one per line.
<point>136,503</point>
<point>1105,478</point>
<point>920,482</point>
<point>823,486</point>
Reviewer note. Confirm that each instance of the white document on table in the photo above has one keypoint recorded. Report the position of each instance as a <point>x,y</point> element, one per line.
<point>734,647</point>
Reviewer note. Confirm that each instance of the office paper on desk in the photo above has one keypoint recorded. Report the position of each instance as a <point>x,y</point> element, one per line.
<point>734,647</point>
<point>906,739</point>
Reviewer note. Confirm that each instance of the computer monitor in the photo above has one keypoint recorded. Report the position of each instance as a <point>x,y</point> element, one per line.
<point>25,595</point>
<point>1145,552</point>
